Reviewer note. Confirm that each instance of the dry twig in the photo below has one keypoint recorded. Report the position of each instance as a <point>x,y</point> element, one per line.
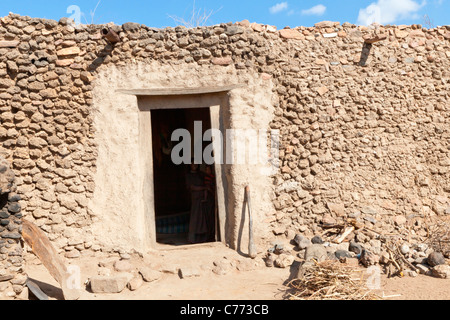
<point>439,235</point>
<point>197,18</point>
<point>330,280</point>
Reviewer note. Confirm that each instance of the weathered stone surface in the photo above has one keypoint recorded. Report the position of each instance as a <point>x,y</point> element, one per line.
<point>48,93</point>
<point>328,220</point>
<point>373,38</point>
<point>284,261</point>
<point>317,240</point>
<point>302,242</point>
<point>131,26</point>
<point>23,295</point>
<point>64,62</point>
<point>316,252</point>
<point>7,177</point>
<point>11,235</point>
<point>14,207</point>
<point>322,90</point>
<point>36,86</point>
<point>423,269</point>
<point>68,202</point>
<point>188,272</point>
<point>123,266</point>
<point>72,51</point>
<point>441,271</point>
<point>244,23</point>
<point>73,254</point>
<point>222,61</point>
<point>150,275</point>
<point>337,208</point>
<point>112,284</point>
<point>400,220</point>
<point>341,254</point>
<point>87,76</point>
<point>233,30</point>
<point>222,267</point>
<point>355,248</point>
<point>326,24</point>
<point>6,83</point>
<point>369,259</point>
<point>351,262</point>
<point>257,27</point>
<point>135,283</point>
<point>330,35</point>
<point>404,248</point>
<point>291,34</point>
<point>6,277</point>
<point>417,33</point>
<point>270,28</point>
<point>104,272</point>
<point>40,213</point>
<point>4,214</point>
<point>436,259</point>
<point>9,44</point>
<point>66,173</point>
<point>411,273</point>
<point>401,33</point>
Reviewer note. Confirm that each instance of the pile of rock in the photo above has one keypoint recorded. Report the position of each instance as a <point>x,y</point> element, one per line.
<point>395,258</point>
<point>419,259</point>
<point>114,277</point>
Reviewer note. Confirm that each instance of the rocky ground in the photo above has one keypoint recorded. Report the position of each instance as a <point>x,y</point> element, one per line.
<point>395,257</point>
<point>218,273</point>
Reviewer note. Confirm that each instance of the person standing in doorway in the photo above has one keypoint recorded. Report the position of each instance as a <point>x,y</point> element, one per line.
<point>198,229</point>
<point>208,181</point>
<point>209,203</point>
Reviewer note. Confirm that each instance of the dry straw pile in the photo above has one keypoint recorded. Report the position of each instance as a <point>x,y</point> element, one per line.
<point>330,280</point>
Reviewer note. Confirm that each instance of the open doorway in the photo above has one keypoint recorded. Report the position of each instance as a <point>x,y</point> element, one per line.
<point>177,210</point>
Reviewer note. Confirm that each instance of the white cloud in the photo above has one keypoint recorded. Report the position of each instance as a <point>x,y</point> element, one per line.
<point>388,11</point>
<point>278,7</point>
<point>316,10</point>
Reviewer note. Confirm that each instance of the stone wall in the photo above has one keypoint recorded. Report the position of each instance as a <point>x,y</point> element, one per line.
<point>12,277</point>
<point>364,127</point>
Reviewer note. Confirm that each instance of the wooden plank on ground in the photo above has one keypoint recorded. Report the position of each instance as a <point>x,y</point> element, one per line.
<point>34,288</point>
<point>49,257</point>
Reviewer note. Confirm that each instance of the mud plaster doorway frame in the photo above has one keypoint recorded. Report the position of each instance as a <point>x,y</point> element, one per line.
<point>214,98</point>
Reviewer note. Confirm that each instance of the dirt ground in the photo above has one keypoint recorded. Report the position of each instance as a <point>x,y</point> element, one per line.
<point>246,279</point>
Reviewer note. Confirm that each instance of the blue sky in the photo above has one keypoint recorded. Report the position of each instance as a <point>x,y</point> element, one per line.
<point>280,13</point>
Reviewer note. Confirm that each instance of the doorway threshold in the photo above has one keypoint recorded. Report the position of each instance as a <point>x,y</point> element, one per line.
<point>168,247</point>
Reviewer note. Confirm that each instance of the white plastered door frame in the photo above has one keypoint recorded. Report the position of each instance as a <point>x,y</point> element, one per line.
<point>214,98</point>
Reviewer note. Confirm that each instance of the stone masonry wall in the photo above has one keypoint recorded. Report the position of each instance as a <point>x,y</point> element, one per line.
<point>365,128</point>
<point>12,277</point>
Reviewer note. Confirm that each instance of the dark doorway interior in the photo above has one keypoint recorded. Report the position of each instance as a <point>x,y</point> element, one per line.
<point>172,197</point>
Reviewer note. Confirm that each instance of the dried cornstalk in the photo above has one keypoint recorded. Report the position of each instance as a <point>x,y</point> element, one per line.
<point>439,235</point>
<point>330,280</point>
